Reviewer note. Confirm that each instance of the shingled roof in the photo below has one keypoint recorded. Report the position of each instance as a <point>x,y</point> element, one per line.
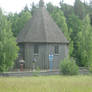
<point>41,29</point>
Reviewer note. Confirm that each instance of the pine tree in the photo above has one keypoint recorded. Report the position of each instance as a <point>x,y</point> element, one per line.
<point>79,9</point>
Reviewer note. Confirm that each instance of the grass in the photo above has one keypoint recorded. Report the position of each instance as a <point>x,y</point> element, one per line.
<point>46,84</point>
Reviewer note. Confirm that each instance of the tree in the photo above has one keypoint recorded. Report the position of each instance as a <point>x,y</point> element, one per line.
<point>85,43</point>
<point>79,9</point>
<point>19,20</point>
<point>26,9</point>
<point>50,8</point>
<point>67,9</point>
<point>8,45</point>
<point>76,25</point>
<point>90,10</point>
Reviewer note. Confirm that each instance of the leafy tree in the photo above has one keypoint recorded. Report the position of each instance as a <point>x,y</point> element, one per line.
<point>76,25</point>
<point>85,43</point>
<point>8,47</point>
<point>19,20</point>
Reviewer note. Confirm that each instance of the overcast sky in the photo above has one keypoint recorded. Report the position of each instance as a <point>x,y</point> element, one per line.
<point>18,5</point>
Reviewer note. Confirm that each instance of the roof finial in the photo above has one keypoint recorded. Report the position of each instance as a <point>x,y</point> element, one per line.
<point>41,3</point>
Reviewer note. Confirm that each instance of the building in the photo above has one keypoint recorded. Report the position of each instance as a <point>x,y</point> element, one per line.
<point>40,39</point>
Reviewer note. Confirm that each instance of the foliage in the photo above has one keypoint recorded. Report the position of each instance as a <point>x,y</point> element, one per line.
<point>76,25</point>
<point>8,47</point>
<point>79,9</point>
<point>74,16</point>
<point>69,67</point>
<point>67,9</point>
<point>19,20</point>
<point>85,42</point>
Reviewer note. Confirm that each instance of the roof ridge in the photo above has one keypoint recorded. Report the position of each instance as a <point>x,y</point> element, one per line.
<point>44,23</point>
<point>22,31</point>
<point>26,31</point>
<point>28,25</point>
<point>55,24</point>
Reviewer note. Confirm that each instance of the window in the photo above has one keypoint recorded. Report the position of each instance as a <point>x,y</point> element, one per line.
<point>21,51</point>
<point>36,49</point>
<point>56,49</point>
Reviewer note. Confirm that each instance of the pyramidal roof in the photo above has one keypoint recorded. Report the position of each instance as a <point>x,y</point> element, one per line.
<point>41,29</point>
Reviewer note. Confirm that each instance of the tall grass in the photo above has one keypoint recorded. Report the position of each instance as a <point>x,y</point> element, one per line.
<point>47,84</point>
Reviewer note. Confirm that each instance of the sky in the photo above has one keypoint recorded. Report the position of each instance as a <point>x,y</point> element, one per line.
<point>17,5</point>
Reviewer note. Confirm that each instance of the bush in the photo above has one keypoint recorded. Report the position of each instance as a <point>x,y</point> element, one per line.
<point>69,67</point>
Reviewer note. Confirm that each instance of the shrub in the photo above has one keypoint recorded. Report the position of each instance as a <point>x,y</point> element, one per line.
<point>69,67</point>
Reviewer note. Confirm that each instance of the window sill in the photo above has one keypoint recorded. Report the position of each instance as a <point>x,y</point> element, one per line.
<point>57,54</point>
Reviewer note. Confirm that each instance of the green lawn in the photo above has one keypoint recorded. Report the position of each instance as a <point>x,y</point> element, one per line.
<point>47,84</point>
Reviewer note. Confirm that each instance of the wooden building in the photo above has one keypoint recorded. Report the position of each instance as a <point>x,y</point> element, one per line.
<point>41,37</point>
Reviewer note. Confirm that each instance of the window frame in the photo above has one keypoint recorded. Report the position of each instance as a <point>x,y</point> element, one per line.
<point>56,49</point>
<point>36,49</point>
